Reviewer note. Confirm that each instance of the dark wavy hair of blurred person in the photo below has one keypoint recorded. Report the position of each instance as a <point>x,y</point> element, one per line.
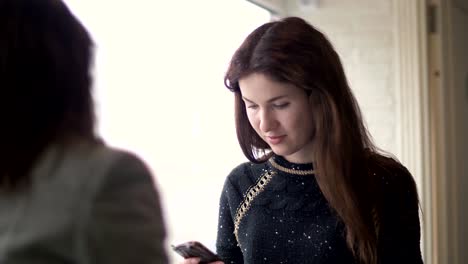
<point>45,82</point>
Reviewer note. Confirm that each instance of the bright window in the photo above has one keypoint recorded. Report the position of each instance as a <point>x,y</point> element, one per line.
<point>159,92</point>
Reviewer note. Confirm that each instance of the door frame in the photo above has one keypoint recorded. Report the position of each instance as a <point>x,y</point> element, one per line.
<point>442,94</point>
<point>416,136</point>
<point>423,35</point>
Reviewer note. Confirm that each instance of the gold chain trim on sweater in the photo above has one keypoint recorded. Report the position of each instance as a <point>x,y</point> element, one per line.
<point>252,192</point>
<point>288,170</point>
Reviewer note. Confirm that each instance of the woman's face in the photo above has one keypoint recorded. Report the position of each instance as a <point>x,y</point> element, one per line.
<point>281,114</point>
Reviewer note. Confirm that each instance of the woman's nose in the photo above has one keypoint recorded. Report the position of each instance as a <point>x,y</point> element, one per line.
<point>267,121</point>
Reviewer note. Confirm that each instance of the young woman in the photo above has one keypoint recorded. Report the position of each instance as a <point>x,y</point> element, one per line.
<point>65,197</point>
<point>316,190</point>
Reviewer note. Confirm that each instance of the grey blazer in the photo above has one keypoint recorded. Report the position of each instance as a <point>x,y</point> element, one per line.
<point>87,204</point>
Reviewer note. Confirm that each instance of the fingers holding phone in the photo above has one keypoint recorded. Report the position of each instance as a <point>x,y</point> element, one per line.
<point>195,252</point>
<point>197,261</point>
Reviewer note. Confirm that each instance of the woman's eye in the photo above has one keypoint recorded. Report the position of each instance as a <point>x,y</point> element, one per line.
<point>280,106</point>
<point>252,106</point>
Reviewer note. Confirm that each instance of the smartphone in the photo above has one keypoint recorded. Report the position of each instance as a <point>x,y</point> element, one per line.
<point>196,249</point>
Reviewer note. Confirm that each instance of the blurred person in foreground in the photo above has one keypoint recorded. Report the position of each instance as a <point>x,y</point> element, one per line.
<point>65,197</point>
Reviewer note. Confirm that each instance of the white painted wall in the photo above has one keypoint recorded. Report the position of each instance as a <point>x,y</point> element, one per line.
<point>273,6</point>
<point>363,34</point>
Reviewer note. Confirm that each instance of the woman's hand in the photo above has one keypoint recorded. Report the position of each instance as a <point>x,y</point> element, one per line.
<point>197,260</point>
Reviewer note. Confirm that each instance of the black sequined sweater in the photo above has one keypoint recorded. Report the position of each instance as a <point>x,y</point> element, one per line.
<point>284,218</point>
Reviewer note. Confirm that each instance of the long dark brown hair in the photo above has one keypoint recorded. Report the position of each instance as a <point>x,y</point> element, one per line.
<point>45,83</point>
<point>292,51</point>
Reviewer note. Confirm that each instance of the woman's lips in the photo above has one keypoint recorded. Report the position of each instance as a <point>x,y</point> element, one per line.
<point>274,140</point>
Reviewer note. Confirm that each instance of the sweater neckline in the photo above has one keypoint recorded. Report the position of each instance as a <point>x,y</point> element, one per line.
<point>281,164</point>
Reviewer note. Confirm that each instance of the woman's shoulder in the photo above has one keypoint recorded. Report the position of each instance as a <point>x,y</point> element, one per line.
<point>245,174</point>
<point>393,177</point>
<point>248,168</point>
<point>116,163</point>
<point>98,152</point>
<point>90,162</point>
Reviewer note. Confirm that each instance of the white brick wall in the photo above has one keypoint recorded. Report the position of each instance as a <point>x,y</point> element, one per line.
<point>362,32</point>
